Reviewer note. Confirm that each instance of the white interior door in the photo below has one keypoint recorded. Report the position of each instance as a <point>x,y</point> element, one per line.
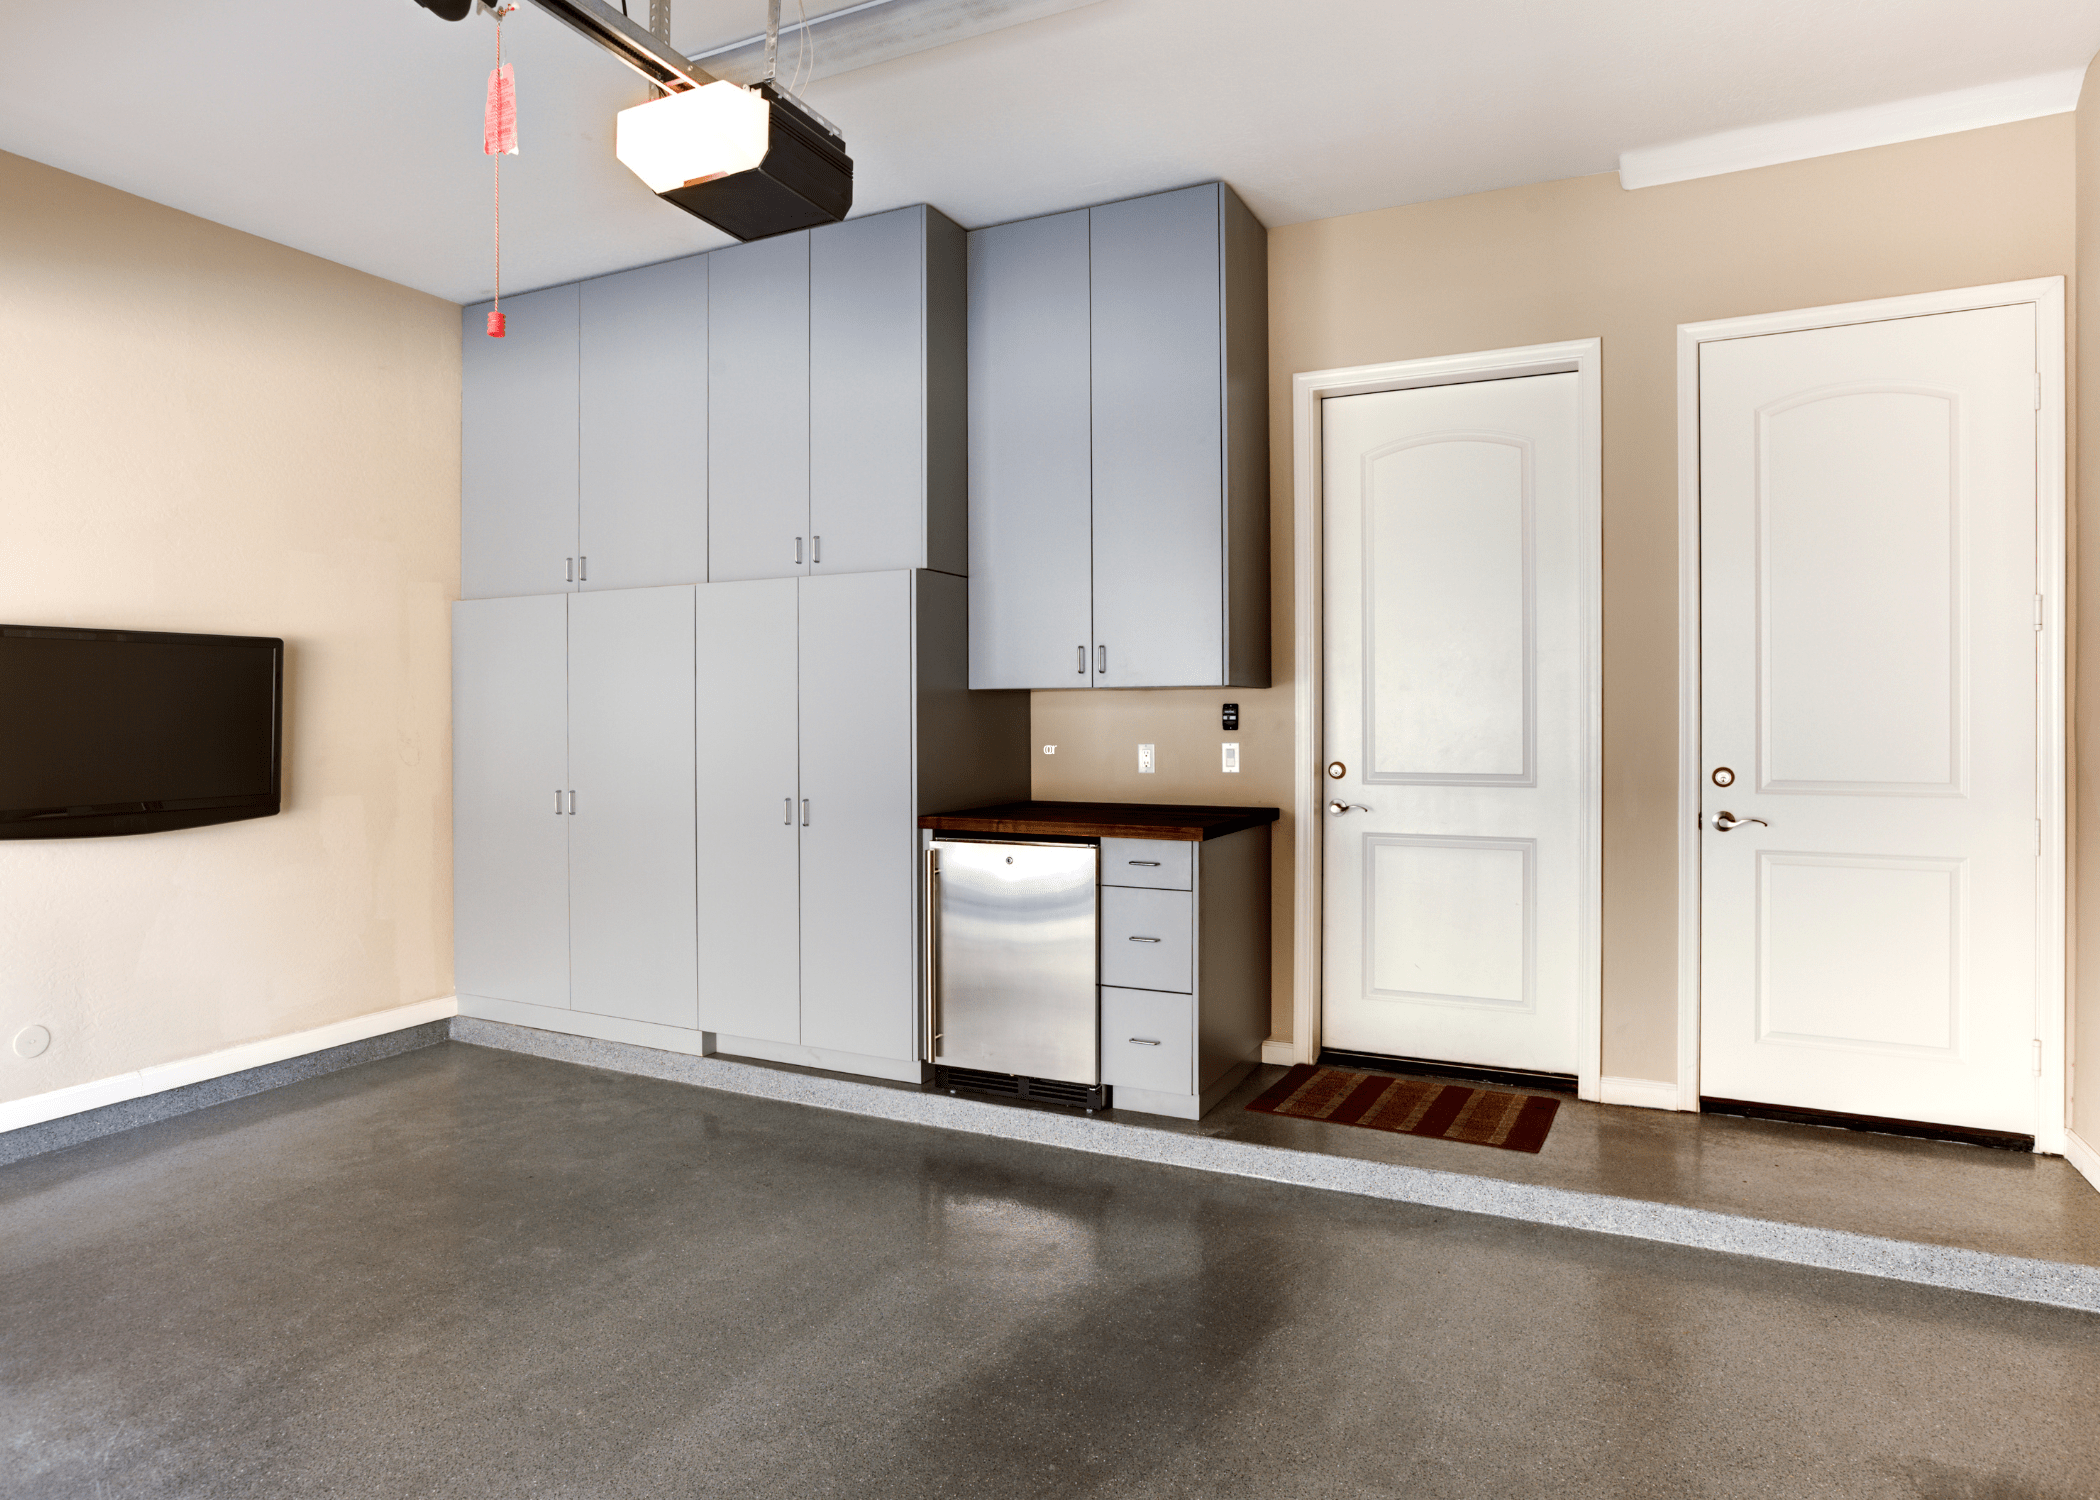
<point>1869,692</point>
<point>1458,872</point>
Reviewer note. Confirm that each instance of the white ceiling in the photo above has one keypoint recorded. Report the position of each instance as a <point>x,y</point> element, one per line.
<point>352,129</point>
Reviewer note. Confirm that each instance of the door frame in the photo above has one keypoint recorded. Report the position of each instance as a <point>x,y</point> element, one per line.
<point>1582,358</point>
<point>2046,296</point>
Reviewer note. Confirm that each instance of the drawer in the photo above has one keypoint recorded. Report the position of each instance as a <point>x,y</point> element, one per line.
<point>1147,1041</point>
<point>1159,864</point>
<point>1146,939</point>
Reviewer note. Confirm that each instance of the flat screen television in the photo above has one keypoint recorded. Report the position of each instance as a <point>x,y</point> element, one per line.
<point>134,731</point>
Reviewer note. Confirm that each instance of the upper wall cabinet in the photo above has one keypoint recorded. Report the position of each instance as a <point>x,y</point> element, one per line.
<point>837,400</point>
<point>1119,446</point>
<point>583,436</point>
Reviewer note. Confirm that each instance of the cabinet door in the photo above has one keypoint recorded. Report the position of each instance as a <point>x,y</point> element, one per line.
<point>642,508</point>
<point>1159,603</point>
<point>631,876</point>
<point>510,837</point>
<point>758,409</point>
<point>750,925</point>
<point>859,855</point>
<point>517,451</point>
<point>867,394</point>
<point>1031,528</point>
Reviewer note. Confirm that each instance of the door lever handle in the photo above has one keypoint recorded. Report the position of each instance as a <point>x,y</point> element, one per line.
<point>1723,821</point>
<point>1340,809</point>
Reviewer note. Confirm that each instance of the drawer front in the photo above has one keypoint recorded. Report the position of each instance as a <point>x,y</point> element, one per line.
<point>1159,864</point>
<point>1146,1041</point>
<point>1146,939</point>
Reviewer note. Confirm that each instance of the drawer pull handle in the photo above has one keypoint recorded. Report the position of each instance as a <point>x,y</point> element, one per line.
<point>1144,1041</point>
<point>1144,940</point>
<point>1152,864</point>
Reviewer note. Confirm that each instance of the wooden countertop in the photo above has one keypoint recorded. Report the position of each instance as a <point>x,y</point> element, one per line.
<point>1114,820</point>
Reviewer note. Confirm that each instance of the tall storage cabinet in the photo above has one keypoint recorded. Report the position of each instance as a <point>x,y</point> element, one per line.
<point>1173,388</point>
<point>517,460</point>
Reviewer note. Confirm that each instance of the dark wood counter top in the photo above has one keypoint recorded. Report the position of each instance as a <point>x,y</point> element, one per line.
<point>1114,820</point>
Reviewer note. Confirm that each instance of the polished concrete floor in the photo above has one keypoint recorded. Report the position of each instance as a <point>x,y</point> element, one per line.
<point>462,1272</point>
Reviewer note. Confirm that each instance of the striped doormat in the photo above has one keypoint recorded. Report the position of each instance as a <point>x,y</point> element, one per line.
<point>1412,1106</point>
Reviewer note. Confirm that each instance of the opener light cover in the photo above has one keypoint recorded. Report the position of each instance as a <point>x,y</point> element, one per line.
<point>694,136</point>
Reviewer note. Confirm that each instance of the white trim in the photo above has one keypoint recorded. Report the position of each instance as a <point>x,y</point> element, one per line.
<point>1279,1052</point>
<point>1642,1093</point>
<point>2083,1157</point>
<point>161,1077</point>
<point>2046,295</point>
<point>1852,129</point>
<point>1584,358</point>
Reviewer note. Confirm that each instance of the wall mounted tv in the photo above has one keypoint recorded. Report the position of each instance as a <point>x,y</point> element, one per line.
<point>134,731</point>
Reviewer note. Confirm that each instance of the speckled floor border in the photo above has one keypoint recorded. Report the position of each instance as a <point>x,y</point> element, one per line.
<point>2051,1283</point>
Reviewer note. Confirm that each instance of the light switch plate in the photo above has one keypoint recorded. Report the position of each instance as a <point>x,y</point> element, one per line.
<point>1145,759</point>
<point>1232,755</point>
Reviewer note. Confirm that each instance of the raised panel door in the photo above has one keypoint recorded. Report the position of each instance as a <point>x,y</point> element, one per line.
<point>1158,440</point>
<point>758,410</point>
<point>518,416</point>
<point>1031,477</point>
<point>867,394</point>
<point>859,850</point>
<point>510,840</point>
<point>749,810</point>
<point>643,431</point>
<point>631,854</point>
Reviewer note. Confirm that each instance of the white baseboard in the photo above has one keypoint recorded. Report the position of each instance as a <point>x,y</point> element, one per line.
<point>1643,1093</point>
<point>161,1077</point>
<point>2083,1157</point>
<point>1279,1051</point>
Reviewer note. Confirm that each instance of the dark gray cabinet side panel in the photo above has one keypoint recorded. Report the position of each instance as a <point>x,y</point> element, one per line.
<point>947,395</point>
<point>510,841</point>
<point>517,458</point>
<point>1031,479</point>
<point>972,746</point>
<point>859,851</point>
<point>643,464</point>
<point>750,927</point>
<point>758,409</point>
<point>1246,309</point>
<point>1233,905</point>
<point>867,394</point>
<point>1158,503</point>
<point>631,874</point>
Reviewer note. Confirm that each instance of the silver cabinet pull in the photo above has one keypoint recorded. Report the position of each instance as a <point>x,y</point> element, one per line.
<point>798,549</point>
<point>557,802</point>
<point>1150,864</point>
<point>572,804</point>
<point>1144,940</point>
<point>805,812</point>
<point>1145,1041</point>
<point>1723,821</point>
<point>787,811</point>
<point>816,549</point>
<point>1102,656</point>
<point>583,570</point>
<point>1082,661</point>
<point>568,570</point>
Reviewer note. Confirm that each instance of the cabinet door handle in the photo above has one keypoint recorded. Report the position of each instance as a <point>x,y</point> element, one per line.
<point>1082,661</point>
<point>568,570</point>
<point>1102,656</point>
<point>805,812</point>
<point>816,549</point>
<point>787,811</point>
<point>1144,940</point>
<point>572,804</point>
<point>798,549</point>
<point>583,570</point>
<point>1146,1041</point>
<point>1150,864</point>
<point>557,802</point>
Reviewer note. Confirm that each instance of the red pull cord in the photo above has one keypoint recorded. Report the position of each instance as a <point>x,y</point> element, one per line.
<point>499,137</point>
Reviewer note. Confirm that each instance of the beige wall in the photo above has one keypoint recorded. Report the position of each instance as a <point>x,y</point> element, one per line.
<point>201,430</point>
<point>2085,643</point>
<point>1578,259</point>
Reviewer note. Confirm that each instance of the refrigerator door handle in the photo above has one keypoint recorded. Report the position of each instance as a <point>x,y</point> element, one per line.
<point>932,1011</point>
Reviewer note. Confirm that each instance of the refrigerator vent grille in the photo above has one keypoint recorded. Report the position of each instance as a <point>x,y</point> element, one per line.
<point>1018,1086</point>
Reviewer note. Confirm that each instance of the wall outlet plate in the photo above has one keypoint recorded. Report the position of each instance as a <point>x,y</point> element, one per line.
<point>1232,755</point>
<point>1145,759</point>
<point>1049,749</point>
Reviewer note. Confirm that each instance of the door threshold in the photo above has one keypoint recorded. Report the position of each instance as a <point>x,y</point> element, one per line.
<point>1996,1140</point>
<point>1520,1078</point>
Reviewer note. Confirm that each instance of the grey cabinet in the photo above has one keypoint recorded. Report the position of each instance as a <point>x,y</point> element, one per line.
<point>1174,393</point>
<point>888,486</point>
<point>758,409</point>
<point>573,802</point>
<point>833,711</point>
<point>642,427</point>
<point>517,482</point>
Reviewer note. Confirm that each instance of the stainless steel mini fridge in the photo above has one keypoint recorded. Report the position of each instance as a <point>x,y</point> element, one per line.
<point>1011,1000</point>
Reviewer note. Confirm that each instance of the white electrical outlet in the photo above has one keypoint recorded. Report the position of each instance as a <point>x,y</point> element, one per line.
<point>1232,755</point>
<point>1049,749</point>
<point>1145,759</point>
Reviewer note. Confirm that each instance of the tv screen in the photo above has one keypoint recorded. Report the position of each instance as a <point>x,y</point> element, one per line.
<point>133,731</point>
